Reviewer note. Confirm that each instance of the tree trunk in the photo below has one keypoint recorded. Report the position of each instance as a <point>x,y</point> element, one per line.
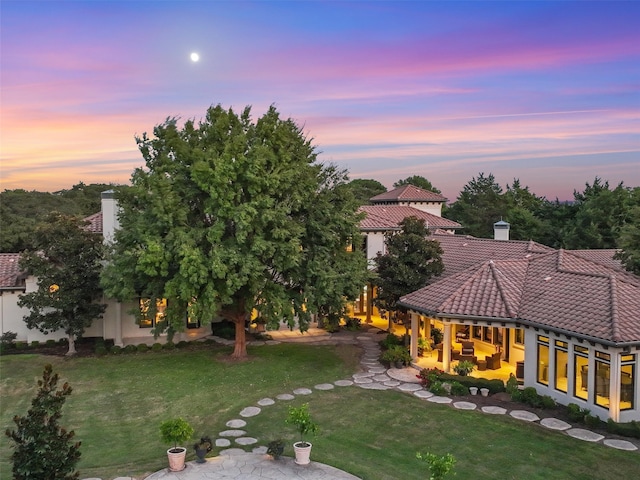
<point>72,346</point>
<point>240,347</point>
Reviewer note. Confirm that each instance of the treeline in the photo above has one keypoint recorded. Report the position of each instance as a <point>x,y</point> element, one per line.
<point>21,211</point>
<point>600,216</point>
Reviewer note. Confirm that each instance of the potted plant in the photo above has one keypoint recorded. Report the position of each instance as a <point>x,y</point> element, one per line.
<point>424,346</point>
<point>275,448</point>
<point>300,418</point>
<point>464,368</point>
<point>397,356</point>
<point>202,447</point>
<point>175,431</point>
<point>437,335</point>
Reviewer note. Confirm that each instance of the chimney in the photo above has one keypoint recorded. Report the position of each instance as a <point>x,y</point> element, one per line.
<point>501,230</point>
<point>110,223</point>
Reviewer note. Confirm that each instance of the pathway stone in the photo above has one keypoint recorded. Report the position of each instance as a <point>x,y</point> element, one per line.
<point>246,441</point>
<point>407,375</point>
<point>524,415</point>
<point>370,364</point>
<point>232,451</point>
<point>465,405</point>
<point>123,478</point>
<point>324,386</point>
<point>423,394</point>
<point>374,386</point>
<point>392,383</point>
<point>555,424</point>
<point>250,412</point>
<point>492,410</point>
<point>343,383</point>
<point>232,433</point>
<point>223,442</point>
<point>236,423</point>
<point>285,396</point>
<point>381,378</point>
<point>377,370</point>
<point>262,450</point>
<point>361,380</point>
<point>438,399</point>
<point>273,342</point>
<point>409,387</point>
<point>363,375</point>
<point>302,391</point>
<point>586,435</point>
<point>619,444</point>
<point>265,402</point>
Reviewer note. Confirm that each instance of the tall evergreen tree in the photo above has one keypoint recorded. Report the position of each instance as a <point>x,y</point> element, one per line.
<point>43,450</point>
<point>231,216</point>
<point>364,189</point>
<point>417,181</point>
<point>66,263</point>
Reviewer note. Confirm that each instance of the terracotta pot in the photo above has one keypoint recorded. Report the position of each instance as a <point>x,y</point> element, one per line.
<point>303,452</point>
<point>176,458</point>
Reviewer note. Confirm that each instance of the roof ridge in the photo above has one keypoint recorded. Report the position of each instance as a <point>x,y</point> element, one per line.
<point>615,318</point>
<point>494,273</point>
<point>562,269</point>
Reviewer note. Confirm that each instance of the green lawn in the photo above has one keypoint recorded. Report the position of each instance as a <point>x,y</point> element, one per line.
<point>119,402</point>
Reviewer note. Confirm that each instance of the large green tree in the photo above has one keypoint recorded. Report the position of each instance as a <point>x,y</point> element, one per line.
<point>66,262</point>
<point>629,241</point>
<point>229,216</point>
<point>417,181</point>
<point>410,260</point>
<point>43,450</point>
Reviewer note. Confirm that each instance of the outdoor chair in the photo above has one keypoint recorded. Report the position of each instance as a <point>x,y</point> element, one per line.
<point>493,361</point>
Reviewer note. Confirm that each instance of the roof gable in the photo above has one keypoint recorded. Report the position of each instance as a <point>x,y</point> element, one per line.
<point>388,217</point>
<point>10,274</point>
<point>408,193</point>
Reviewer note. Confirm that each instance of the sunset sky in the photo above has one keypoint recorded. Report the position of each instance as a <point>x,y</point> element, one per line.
<point>547,92</point>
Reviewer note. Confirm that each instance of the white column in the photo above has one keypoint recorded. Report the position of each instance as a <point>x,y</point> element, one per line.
<point>614,386</point>
<point>118,332</point>
<point>446,348</point>
<point>415,332</point>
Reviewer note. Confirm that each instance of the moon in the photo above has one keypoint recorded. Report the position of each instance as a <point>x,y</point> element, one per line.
<point>194,57</point>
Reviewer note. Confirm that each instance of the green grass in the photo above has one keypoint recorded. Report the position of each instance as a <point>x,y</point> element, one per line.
<point>119,402</point>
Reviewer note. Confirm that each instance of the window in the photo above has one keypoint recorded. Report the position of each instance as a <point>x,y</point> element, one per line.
<point>561,361</point>
<point>518,337</point>
<point>602,378</point>
<point>477,332</point>
<point>627,382</point>
<point>543,360</point>
<point>580,372</point>
<point>147,319</point>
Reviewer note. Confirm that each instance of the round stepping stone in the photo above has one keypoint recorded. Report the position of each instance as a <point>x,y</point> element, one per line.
<point>464,405</point>
<point>272,342</point>
<point>285,396</point>
<point>265,402</point>
<point>392,383</point>
<point>302,391</point>
<point>250,412</point>
<point>259,450</point>
<point>363,375</point>
<point>586,435</point>
<point>438,399</point>
<point>494,410</point>
<point>364,338</point>
<point>374,386</point>
<point>343,383</point>
<point>423,394</point>
<point>381,378</point>
<point>123,478</point>
<point>98,478</point>
<point>324,386</point>
<point>377,370</point>
<point>232,433</point>
<point>246,441</point>
<point>524,415</point>
<point>360,381</point>
<point>236,423</point>
<point>554,424</point>
<point>409,387</point>
<point>223,442</point>
<point>619,444</point>
<point>232,451</point>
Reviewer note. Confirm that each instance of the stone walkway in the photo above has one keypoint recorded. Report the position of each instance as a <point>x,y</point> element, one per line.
<point>235,463</point>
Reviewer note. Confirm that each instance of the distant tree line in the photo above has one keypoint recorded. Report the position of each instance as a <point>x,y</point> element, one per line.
<point>600,216</point>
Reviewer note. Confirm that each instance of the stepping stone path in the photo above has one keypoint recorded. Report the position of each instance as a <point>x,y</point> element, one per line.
<point>376,377</point>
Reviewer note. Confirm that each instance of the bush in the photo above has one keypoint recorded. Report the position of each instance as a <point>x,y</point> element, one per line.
<point>458,389</point>
<point>437,388</point>
<point>182,344</point>
<point>129,349</point>
<point>169,346</point>
<point>352,323</point>
<point>631,429</point>
<point>8,338</point>
<point>512,385</point>
<point>50,343</point>
<point>116,350</point>
<point>592,421</point>
<point>142,348</point>
<point>548,402</point>
<point>391,340</point>
<point>101,350</point>
<point>21,345</point>
<point>156,347</point>
<point>530,397</point>
<point>494,385</point>
<point>429,375</point>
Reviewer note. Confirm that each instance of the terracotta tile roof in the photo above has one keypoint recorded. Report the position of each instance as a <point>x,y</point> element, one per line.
<point>10,274</point>
<point>387,217</point>
<point>603,256</point>
<point>95,222</point>
<point>408,193</point>
<point>559,290</point>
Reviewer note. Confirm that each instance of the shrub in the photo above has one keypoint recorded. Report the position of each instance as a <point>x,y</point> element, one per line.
<point>142,348</point>
<point>390,340</point>
<point>530,397</point>
<point>101,350</point>
<point>21,345</point>
<point>494,385</point>
<point>438,466</point>
<point>458,389</point>
<point>631,429</point>
<point>548,402</point>
<point>352,323</point>
<point>437,388</point>
<point>116,350</point>
<point>50,343</point>
<point>129,349</point>
<point>8,338</point>
<point>182,344</point>
<point>175,431</point>
<point>592,421</point>
<point>169,346</point>
<point>464,368</point>
<point>429,375</point>
<point>512,385</point>
<point>577,414</point>
<point>156,347</point>
<point>35,343</point>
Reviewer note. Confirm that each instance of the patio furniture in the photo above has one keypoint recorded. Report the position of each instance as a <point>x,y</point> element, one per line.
<point>493,361</point>
<point>520,370</point>
<point>482,365</point>
<point>455,354</point>
<point>470,358</point>
<point>467,348</point>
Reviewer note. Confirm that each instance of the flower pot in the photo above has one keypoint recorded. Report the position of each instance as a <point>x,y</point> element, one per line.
<point>473,390</point>
<point>201,453</point>
<point>176,458</point>
<point>399,364</point>
<point>303,452</point>
<point>484,392</point>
